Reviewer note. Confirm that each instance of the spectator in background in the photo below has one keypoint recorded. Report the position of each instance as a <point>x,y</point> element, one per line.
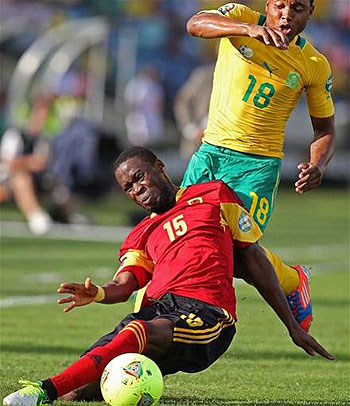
<point>81,155</point>
<point>191,108</point>
<point>144,102</point>
<point>83,159</point>
<point>30,159</point>
<point>24,156</point>
<point>21,159</point>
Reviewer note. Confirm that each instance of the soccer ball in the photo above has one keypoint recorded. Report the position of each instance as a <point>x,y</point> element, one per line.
<point>131,380</point>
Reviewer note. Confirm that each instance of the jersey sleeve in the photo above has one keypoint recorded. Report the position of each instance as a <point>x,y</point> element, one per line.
<point>318,92</point>
<point>242,13</point>
<point>133,258</point>
<point>243,228</point>
<point>239,12</point>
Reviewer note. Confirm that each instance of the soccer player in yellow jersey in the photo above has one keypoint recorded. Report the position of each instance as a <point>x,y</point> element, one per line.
<point>262,69</point>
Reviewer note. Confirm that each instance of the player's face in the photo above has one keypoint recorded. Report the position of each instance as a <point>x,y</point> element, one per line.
<point>146,184</point>
<point>289,16</point>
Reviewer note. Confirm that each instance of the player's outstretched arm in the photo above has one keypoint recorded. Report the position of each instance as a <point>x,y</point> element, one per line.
<point>213,25</point>
<point>305,341</point>
<point>81,294</point>
<point>260,271</point>
<point>321,152</point>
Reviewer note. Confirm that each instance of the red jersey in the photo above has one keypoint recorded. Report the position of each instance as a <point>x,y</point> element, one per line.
<point>188,250</point>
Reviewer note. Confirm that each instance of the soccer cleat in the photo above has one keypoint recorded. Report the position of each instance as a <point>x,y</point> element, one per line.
<point>300,301</point>
<point>32,394</point>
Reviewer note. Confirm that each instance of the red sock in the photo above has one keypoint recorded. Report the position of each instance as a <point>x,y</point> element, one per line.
<point>89,368</point>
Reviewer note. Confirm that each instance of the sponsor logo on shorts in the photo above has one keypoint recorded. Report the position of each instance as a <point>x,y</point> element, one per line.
<point>293,80</point>
<point>244,222</point>
<point>226,8</point>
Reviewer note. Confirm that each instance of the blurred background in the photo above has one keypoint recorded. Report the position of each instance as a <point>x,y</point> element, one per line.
<point>83,79</point>
<point>79,81</point>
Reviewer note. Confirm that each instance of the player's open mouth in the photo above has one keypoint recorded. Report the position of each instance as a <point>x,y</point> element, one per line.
<point>146,200</point>
<point>286,29</point>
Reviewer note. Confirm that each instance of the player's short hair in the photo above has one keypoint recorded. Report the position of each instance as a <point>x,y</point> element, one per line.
<point>145,154</point>
<point>311,2</point>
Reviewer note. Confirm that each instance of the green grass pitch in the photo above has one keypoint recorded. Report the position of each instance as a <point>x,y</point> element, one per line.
<point>262,366</point>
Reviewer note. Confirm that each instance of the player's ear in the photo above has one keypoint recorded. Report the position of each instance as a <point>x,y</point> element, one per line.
<point>159,164</point>
<point>267,5</point>
<point>312,9</point>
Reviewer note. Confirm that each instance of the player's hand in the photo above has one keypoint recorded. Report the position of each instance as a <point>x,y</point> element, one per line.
<point>304,340</point>
<point>269,36</point>
<point>81,294</point>
<point>310,176</point>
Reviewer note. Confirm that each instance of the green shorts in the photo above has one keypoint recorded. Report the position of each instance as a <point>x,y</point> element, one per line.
<point>254,178</point>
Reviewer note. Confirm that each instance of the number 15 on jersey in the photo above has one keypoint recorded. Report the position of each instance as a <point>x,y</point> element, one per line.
<point>176,227</point>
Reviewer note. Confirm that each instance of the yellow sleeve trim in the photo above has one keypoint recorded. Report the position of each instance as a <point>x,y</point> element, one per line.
<point>241,224</point>
<point>100,295</point>
<point>179,193</point>
<point>136,258</point>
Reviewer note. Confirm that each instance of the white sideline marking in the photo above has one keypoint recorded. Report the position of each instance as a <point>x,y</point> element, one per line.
<point>42,277</point>
<point>316,252</point>
<point>72,232</point>
<point>12,301</point>
<point>309,254</point>
<point>118,234</point>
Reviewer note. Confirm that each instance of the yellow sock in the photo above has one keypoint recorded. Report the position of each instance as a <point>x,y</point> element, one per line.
<point>287,276</point>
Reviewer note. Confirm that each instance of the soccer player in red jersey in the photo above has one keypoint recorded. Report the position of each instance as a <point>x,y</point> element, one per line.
<point>183,253</point>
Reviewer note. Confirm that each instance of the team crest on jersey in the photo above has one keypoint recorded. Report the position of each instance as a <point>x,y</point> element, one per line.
<point>329,84</point>
<point>293,80</point>
<point>195,200</point>
<point>246,51</point>
<point>244,222</point>
<point>226,8</point>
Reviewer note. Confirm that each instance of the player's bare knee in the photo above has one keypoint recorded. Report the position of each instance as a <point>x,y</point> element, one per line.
<point>160,337</point>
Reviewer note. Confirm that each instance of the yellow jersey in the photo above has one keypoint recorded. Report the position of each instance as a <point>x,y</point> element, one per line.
<point>256,87</point>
